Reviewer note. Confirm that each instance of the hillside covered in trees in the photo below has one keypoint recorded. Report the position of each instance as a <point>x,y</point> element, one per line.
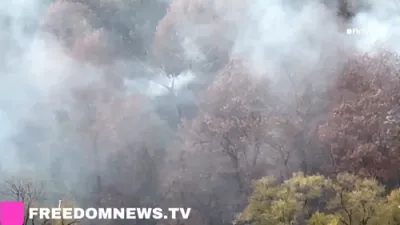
<point>248,112</point>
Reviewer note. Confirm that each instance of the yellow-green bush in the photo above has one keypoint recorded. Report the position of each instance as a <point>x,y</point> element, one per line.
<point>315,200</point>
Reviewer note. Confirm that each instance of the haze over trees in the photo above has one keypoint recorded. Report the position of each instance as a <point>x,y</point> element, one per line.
<point>201,104</point>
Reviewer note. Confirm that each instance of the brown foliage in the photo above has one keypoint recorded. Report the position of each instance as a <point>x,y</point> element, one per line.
<point>91,48</point>
<point>71,24</point>
<point>67,21</point>
<point>197,35</point>
<point>223,144</point>
<point>241,131</point>
<point>125,140</point>
<point>362,134</point>
<point>233,119</point>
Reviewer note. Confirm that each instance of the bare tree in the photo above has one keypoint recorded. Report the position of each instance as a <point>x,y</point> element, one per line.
<point>24,191</point>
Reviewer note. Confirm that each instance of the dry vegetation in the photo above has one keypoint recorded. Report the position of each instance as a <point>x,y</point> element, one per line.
<point>241,131</point>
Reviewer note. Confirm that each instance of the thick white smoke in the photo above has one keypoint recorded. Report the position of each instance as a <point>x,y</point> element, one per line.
<point>381,23</point>
<point>278,37</point>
